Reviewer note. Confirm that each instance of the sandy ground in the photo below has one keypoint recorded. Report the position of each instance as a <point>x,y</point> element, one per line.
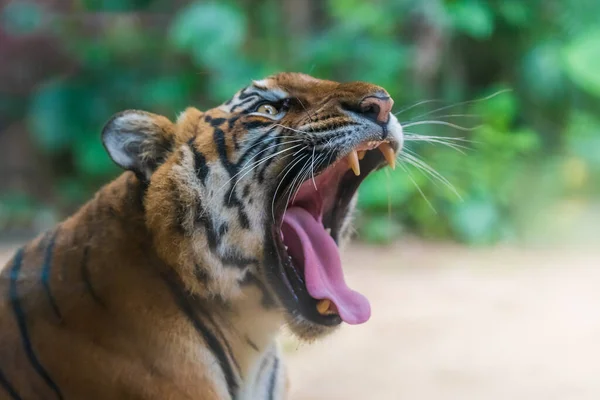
<point>455,323</point>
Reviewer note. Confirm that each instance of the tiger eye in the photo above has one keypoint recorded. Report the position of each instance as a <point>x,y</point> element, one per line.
<point>267,109</point>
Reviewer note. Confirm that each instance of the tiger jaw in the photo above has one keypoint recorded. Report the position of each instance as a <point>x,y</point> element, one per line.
<point>355,155</point>
<point>309,227</point>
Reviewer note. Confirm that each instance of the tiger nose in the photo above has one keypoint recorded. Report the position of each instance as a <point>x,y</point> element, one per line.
<point>377,109</point>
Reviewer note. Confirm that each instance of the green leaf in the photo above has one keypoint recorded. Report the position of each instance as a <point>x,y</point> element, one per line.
<point>360,15</point>
<point>476,221</point>
<point>581,61</point>
<point>211,33</point>
<point>115,5</point>
<point>515,12</point>
<point>379,229</point>
<point>51,115</point>
<point>91,159</point>
<point>72,191</point>
<point>543,73</point>
<point>233,76</point>
<point>385,189</point>
<point>165,94</point>
<point>21,18</point>
<point>472,17</point>
<point>583,138</point>
<point>499,107</point>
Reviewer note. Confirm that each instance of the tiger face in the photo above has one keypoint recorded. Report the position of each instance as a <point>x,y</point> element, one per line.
<point>260,191</point>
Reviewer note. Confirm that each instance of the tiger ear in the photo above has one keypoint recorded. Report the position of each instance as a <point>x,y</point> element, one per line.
<point>138,141</point>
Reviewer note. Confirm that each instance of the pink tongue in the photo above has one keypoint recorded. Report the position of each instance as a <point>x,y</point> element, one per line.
<point>308,242</point>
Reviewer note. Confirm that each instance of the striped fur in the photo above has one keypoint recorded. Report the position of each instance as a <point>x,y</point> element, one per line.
<point>157,288</point>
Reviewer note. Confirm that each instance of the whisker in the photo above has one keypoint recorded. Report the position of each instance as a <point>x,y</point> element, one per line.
<point>307,113</point>
<point>445,123</point>
<point>389,194</point>
<point>434,180</point>
<point>264,159</point>
<point>256,163</point>
<point>427,168</point>
<point>304,175</point>
<point>299,180</point>
<point>410,177</point>
<point>289,167</point>
<point>313,169</point>
<point>449,116</point>
<point>462,103</point>
<point>252,137</point>
<point>451,145</point>
<point>292,129</point>
<point>418,104</point>
<point>450,138</point>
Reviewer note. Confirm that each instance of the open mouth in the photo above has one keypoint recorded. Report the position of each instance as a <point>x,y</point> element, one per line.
<point>307,269</point>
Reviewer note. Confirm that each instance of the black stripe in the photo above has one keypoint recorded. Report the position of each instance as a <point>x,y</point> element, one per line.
<point>259,87</point>
<point>219,333</point>
<point>267,300</point>
<point>202,218</point>
<point>257,124</point>
<point>273,378</point>
<point>234,139</point>
<point>252,147</point>
<point>215,122</point>
<point>263,167</point>
<point>201,274</point>
<point>20,316</point>
<point>245,94</point>
<point>230,199</point>
<point>46,268</point>
<point>223,229</point>
<point>244,221</point>
<point>209,338</point>
<point>231,121</point>
<point>87,280</point>
<point>252,344</point>
<point>245,102</point>
<point>262,367</point>
<point>5,384</point>
<point>238,260</point>
<point>246,191</point>
<point>219,138</point>
<point>213,237</point>
<point>199,163</point>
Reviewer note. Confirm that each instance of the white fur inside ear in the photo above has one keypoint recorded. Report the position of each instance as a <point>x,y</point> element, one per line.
<point>123,148</point>
<point>126,138</point>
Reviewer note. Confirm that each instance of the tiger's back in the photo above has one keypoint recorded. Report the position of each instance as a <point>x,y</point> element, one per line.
<point>78,323</point>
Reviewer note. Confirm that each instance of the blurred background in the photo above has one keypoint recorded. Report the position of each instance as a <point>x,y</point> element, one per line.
<point>482,257</point>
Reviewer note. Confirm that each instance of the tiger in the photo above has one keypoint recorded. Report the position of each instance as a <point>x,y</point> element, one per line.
<point>175,279</point>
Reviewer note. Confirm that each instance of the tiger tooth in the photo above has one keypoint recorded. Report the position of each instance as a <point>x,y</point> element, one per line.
<point>361,154</point>
<point>352,158</point>
<point>323,306</point>
<point>388,154</point>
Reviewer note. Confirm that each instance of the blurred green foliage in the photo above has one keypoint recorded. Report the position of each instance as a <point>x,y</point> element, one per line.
<point>524,146</point>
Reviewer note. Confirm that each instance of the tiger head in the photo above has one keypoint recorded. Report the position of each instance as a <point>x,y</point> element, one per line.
<point>260,190</point>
